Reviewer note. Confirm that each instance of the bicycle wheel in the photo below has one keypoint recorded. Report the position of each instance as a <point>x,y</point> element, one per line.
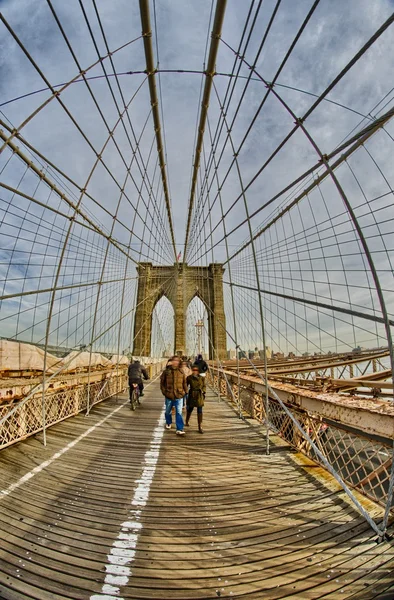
<point>134,399</point>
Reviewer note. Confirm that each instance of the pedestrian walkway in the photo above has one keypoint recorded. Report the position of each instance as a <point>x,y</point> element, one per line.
<point>131,510</point>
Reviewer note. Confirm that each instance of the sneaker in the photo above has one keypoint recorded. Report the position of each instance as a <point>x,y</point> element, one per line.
<point>168,426</point>
<point>180,432</point>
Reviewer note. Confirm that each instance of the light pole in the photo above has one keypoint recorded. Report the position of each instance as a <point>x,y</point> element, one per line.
<point>199,325</point>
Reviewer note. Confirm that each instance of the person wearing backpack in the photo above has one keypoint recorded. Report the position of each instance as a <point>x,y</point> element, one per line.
<point>201,364</point>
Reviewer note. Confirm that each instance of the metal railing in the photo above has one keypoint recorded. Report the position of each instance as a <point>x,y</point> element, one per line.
<point>78,393</point>
<point>363,460</point>
<point>60,404</point>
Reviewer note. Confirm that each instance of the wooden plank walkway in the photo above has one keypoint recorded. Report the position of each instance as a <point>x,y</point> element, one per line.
<point>133,511</point>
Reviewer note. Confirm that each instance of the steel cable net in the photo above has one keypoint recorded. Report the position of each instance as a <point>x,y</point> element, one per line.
<point>82,201</point>
<point>270,136</point>
<point>305,178</point>
<point>287,226</point>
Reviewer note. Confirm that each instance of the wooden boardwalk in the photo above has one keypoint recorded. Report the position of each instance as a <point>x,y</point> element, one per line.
<point>133,511</point>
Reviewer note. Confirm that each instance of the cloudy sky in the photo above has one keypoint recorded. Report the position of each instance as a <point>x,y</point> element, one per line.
<point>312,252</point>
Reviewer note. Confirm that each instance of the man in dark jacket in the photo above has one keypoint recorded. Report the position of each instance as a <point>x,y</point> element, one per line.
<point>135,372</point>
<point>173,387</point>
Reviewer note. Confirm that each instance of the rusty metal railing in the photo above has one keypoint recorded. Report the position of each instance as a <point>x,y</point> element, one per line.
<point>68,397</point>
<point>362,459</point>
<point>25,418</point>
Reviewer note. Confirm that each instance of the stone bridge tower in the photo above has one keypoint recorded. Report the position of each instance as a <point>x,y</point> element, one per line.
<point>180,284</point>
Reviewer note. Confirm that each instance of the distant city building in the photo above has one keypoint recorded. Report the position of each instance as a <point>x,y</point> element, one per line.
<point>306,354</point>
<point>232,354</point>
<point>291,355</point>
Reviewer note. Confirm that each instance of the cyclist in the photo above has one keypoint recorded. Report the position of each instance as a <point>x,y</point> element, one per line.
<point>135,372</point>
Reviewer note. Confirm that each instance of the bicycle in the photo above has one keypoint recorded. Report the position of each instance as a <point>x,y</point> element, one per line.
<point>135,396</point>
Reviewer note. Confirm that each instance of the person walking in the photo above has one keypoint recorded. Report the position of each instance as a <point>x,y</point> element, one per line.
<point>136,372</point>
<point>201,364</point>
<point>196,396</point>
<point>173,387</point>
<point>186,370</point>
<point>188,361</point>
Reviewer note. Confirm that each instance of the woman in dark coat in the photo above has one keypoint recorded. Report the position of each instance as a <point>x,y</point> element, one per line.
<point>195,396</point>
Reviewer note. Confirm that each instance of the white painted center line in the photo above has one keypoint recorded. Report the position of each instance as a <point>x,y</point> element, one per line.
<point>123,549</point>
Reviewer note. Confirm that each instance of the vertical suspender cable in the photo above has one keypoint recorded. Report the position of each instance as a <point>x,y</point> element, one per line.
<point>209,74</point>
<point>151,73</point>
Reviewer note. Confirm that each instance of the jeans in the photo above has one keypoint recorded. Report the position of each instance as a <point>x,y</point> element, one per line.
<point>178,412</point>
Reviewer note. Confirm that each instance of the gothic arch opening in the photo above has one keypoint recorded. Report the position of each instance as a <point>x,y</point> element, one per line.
<point>163,328</point>
<point>197,337</point>
<point>180,283</point>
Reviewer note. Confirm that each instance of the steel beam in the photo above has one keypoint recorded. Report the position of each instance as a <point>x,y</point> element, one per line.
<point>370,415</point>
<point>312,364</point>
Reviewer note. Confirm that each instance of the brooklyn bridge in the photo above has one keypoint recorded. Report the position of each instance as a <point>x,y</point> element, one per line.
<point>181,178</point>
